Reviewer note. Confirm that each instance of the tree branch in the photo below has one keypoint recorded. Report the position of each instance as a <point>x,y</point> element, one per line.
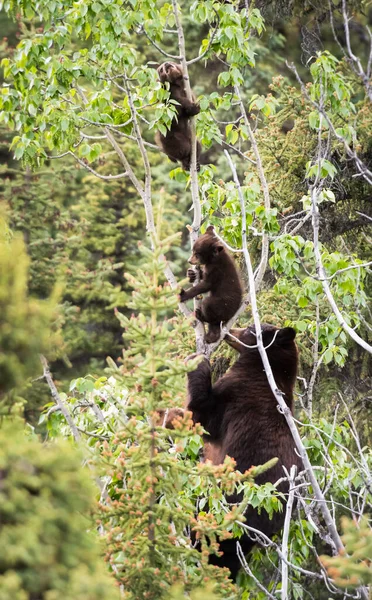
<point>362,168</point>
<point>260,271</point>
<point>323,277</point>
<point>195,228</point>
<point>287,520</point>
<point>278,394</point>
<point>57,399</point>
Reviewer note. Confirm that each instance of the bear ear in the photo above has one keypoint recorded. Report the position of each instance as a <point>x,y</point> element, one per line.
<point>286,335</point>
<point>217,249</point>
<point>210,230</point>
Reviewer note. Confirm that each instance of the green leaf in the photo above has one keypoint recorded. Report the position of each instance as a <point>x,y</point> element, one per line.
<point>302,301</point>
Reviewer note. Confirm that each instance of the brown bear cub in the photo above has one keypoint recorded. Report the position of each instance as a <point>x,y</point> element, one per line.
<point>240,415</point>
<point>220,278</point>
<point>177,142</point>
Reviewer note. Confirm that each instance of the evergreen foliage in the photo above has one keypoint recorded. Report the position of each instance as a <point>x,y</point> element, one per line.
<point>25,322</point>
<point>82,98</point>
<point>158,492</point>
<point>352,567</point>
<point>45,502</point>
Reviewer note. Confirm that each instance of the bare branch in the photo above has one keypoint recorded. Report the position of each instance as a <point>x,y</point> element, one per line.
<point>363,215</point>
<point>57,399</point>
<point>195,228</point>
<point>316,362</point>
<point>94,172</point>
<point>267,542</point>
<point>362,168</point>
<point>260,271</point>
<point>323,278</point>
<point>147,191</point>
<point>201,56</point>
<point>354,59</point>
<point>278,394</point>
<point>237,151</point>
<point>287,520</point>
<point>246,568</point>
<point>172,56</point>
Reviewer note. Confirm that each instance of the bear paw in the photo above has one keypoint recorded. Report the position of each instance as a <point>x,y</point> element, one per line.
<point>199,315</point>
<point>182,295</point>
<point>191,274</point>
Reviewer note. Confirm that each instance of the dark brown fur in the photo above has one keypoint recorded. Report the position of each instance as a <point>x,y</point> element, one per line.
<point>240,415</point>
<point>177,142</point>
<point>166,417</point>
<point>220,278</point>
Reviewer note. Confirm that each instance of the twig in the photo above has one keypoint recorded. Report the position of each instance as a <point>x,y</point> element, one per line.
<point>246,568</point>
<point>363,170</point>
<point>323,278</point>
<point>201,56</point>
<point>195,228</point>
<point>57,399</point>
<point>172,56</point>
<point>278,394</point>
<point>354,59</point>
<point>94,435</point>
<point>94,172</point>
<point>260,271</point>
<point>287,520</point>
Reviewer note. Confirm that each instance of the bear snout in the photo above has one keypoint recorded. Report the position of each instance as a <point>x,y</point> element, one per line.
<point>234,343</point>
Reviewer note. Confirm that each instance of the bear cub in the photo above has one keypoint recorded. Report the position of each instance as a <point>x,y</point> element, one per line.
<point>219,277</point>
<point>240,416</point>
<point>176,143</point>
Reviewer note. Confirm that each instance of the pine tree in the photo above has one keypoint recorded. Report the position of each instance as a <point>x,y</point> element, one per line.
<point>45,499</point>
<point>156,481</point>
<point>25,323</point>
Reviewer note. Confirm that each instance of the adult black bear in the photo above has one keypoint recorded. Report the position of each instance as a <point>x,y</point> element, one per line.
<point>240,415</point>
<point>177,142</point>
<point>220,278</point>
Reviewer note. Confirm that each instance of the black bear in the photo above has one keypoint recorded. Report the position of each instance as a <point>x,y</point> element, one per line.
<point>240,415</point>
<point>220,278</point>
<point>177,142</point>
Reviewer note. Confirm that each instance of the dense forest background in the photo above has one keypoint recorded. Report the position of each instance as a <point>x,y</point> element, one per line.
<point>92,339</point>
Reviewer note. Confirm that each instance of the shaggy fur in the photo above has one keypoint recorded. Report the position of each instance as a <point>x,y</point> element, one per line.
<point>220,278</point>
<point>240,415</point>
<point>177,142</point>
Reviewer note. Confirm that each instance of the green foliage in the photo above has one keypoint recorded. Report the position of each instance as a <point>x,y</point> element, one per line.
<point>352,568</point>
<point>77,69</point>
<point>156,487</point>
<point>25,323</point>
<point>45,498</point>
